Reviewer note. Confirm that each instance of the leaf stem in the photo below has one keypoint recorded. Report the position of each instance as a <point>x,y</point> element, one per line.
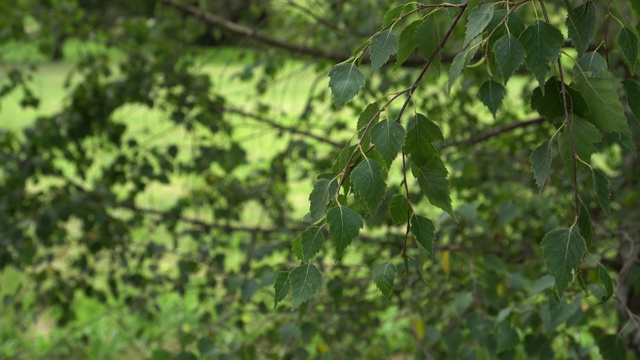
<point>567,120</point>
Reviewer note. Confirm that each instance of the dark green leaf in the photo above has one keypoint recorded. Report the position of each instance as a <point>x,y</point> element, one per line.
<point>407,44</point>
<point>585,136</point>
<point>281,286</point>
<point>632,90</point>
<point>601,184</point>
<point>344,226</point>
<point>541,163</point>
<point>296,246</point>
<point>324,190</point>
<point>383,45</point>
<point>343,157</point>
<point>422,132</point>
<point>345,81</point>
<point>581,23</point>
<point>491,94</point>
<point>478,19</point>
<point>628,43</point>
<point>563,250</point>
<point>507,337</point>
<point>509,55</point>
<point>434,184</point>
<point>584,223</point>
<point>311,242</point>
<point>424,231</point>
<point>602,96</point>
<point>388,136</point>
<point>365,117</point>
<point>368,184</point>
<point>384,276</point>
<point>542,44</point>
<point>399,209</point>
<point>550,105</point>
<point>605,279</point>
<point>305,281</point>
<point>612,348</point>
<point>427,36</point>
<point>593,64</point>
<point>461,60</point>
<point>393,14</point>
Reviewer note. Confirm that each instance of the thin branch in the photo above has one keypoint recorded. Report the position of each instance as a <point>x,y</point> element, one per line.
<point>494,132</point>
<point>567,120</point>
<point>234,28</point>
<point>289,129</point>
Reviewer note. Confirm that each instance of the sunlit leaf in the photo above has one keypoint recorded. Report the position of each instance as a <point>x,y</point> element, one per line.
<point>345,81</point>
<point>305,281</point>
<point>563,250</point>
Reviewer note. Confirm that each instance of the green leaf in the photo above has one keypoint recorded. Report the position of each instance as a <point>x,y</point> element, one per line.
<point>345,81</point>
<point>584,223</point>
<point>605,279</point>
<point>344,226</point>
<point>601,184</point>
<point>628,43</point>
<point>311,241</point>
<point>491,94</point>
<point>383,45</point>
<point>509,55</point>
<point>632,90</point>
<point>406,44</point>
<point>593,64</point>
<point>384,276</point>
<point>282,286</point>
<point>427,36</point>
<point>343,157</point>
<point>399,209</point>
<point>541,163</point>
<point>612,348</point>
<point>393,14</point>
<point>388,136</point>
<point>305,281</point>
<point>581,23</point>
<point>424,231</point>
<point>434,184</point>
<point>296,246</point>
<point>563,250</point>
<point>542,44</point>
<point>550,105</point>
<point>461,60</point>
<point>585,136</point>
<point>368,184</point>
<point>422,132</point>
<point>478,19</point>
<point>323,191</point>
<point>602,96</point>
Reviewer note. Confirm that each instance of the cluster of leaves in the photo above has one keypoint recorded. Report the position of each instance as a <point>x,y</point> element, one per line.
<point>580,110</point>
